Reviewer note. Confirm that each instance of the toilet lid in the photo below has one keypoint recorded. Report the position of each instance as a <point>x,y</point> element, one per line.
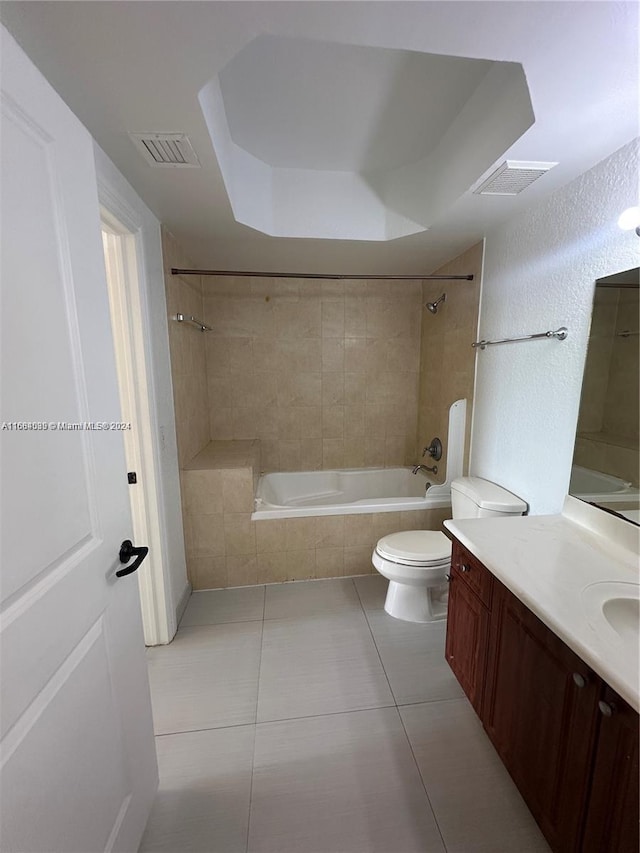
<point>415,547</point>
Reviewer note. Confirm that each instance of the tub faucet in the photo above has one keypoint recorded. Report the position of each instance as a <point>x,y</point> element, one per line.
<point>432,470</point>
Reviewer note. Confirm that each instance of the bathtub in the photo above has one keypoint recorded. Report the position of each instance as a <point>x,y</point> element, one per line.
<point>346,491</point>
<point>596,487</point>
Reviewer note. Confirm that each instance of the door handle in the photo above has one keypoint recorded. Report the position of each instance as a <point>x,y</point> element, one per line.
<point>127,551</point>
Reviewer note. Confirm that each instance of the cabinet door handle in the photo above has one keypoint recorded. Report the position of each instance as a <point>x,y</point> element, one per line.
<point>607,709</point>
<point>448,578</point>
<point>579,680</point>
<point>465,568</point>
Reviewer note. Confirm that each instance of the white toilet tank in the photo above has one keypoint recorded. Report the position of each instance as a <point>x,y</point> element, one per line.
<point>473,497</point>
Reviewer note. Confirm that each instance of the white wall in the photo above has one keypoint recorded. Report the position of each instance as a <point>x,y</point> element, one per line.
<point>540,271</point>
<point>165,452</point>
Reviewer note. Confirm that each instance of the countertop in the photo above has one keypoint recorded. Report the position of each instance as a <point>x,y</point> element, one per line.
<point>548,561</point>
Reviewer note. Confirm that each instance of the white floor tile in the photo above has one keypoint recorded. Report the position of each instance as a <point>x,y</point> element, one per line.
<point>346,783</point>
<point>310,598</point>
<point>203,798</point>
<point>372,591</point>
<point>206,678</point>
<point>413,658</point>
<point>319,665</point>
<point>476,804</point>
<point>212,607</point>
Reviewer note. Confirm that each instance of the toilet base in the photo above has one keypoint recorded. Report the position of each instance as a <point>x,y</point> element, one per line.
<point>413,603</point>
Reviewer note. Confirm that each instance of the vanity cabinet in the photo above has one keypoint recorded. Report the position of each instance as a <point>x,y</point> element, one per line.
<point>540,711</point>
<point>612,815</point>
<point>470,586</point>
<point>570,744</point>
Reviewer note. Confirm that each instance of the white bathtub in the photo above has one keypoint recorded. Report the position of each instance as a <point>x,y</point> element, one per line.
<point>346,491</point>
<point>596,487</point>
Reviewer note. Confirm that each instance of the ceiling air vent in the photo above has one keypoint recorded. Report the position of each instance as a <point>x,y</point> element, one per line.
<point>513,177</point>
<point>166,149</point>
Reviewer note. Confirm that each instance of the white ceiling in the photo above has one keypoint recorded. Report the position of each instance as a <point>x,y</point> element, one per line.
<point>306,104</point>
<point>139,66</point>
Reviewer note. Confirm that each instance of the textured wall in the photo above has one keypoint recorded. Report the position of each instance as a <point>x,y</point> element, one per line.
<point>539,273</point>
<point>187,346</point>
<point>324,373</point>
<point>446,359</point>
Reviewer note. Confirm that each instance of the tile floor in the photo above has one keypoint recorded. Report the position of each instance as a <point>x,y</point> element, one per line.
<point>301,718</point>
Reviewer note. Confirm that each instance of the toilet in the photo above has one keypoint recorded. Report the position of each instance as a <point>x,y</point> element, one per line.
<point>416,562</point>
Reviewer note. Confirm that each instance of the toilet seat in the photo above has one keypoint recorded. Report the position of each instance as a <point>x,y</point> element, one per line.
<point>419,548</point>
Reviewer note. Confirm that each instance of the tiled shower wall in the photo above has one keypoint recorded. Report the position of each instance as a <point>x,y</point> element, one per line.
<point>187,347</point>
<point>447,359</point>
<point>324,373</point>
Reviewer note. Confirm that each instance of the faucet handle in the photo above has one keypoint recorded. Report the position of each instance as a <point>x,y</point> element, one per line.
<point>434,449</point>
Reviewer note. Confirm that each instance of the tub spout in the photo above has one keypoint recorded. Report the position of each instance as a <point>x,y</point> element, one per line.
<point>432,470</point>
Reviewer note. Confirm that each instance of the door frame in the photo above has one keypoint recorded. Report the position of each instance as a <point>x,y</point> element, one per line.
<point>131,324</point>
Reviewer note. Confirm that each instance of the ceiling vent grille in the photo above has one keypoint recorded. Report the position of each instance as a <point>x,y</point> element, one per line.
<point>512,177</point>
<point>172,150</point>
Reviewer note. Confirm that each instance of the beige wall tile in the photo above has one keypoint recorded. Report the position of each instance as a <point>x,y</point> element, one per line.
<point>290,455</point>
<point>298,319</point>
<point>202,492</point>
<point>358,530</point>
<point>333,319</point>
<point>311,422</point>
<point>239,534</point>
<point>332,453</point>
<point>357,560</point>
<point>300,533</point>
<point>332,389</point>
<point>301,565</point>
<point>385,523</point>
<point>355,388</point>
<point>355,317</point>
<point>302,355</point>
<point>329,562</point>
<point>333,353</point>
<point>207,572</point>
<point>272,567</point>
<point>237,486</point>
<point>271,535</point>
<point>270,452</point>
<point>333,422</point>
<point>329,531</point>
<point>354,452</point>
<point>205,535</point>
<point>242,570</point>
<point>300,389</point>
<point>355,355</point>
<point>374,451</point>
<point>311,454</point>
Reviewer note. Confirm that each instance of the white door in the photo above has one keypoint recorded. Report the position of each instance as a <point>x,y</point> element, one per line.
<point>77,752</point>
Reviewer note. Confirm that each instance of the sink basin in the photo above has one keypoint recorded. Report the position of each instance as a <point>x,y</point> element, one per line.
<point>623,614</point>
<point>613,610</point>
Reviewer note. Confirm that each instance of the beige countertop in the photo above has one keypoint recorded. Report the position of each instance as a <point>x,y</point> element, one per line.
<point>563,567</point>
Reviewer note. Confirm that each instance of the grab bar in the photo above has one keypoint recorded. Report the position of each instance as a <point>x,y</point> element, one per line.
<point>182,318</point>
<point>560,334</point>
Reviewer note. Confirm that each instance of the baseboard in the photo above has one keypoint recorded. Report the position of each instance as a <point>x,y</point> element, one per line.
<point>182,603</point>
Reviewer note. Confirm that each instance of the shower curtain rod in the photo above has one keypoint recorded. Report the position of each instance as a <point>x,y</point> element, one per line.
<point>177,271</point>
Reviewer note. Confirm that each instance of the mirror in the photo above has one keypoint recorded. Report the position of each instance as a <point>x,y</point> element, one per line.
<point>606,459</point>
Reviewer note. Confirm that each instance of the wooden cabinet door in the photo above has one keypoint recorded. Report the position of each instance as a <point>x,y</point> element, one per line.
<point>467,636</point>
<point>612,817</point>
<point>540,713</point>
